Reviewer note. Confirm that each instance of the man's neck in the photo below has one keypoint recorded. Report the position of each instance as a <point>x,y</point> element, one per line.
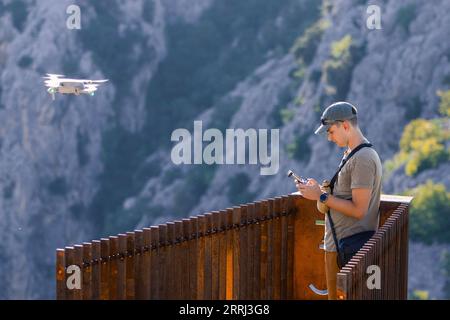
<point>355,140</point>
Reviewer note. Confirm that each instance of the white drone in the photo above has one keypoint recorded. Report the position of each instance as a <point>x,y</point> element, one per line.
<point>57,84</point>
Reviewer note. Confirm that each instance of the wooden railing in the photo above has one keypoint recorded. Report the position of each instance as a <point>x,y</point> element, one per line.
<point>379,271</point>
<point>270,249</point>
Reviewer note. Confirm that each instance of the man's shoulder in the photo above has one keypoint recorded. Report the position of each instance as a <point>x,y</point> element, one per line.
<point>367,155</point>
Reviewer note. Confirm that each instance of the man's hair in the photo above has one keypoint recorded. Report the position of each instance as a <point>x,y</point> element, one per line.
<point>353,122</point>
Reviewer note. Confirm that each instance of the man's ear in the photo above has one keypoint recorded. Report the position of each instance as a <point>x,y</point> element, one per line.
<point>346,125</point>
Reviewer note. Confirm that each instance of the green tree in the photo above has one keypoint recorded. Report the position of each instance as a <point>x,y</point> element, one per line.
<point>430,213</point>
<point>444,106</point>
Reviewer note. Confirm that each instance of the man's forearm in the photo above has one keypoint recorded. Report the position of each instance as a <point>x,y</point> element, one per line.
<point>346,207</point>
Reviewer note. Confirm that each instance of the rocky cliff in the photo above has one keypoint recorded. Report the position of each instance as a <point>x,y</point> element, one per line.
<point>79,168</point>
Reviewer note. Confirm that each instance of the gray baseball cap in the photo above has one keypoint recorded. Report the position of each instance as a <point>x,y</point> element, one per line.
<point>338,111</point>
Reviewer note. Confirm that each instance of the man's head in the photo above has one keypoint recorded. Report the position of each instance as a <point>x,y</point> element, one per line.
<point>339,121</point>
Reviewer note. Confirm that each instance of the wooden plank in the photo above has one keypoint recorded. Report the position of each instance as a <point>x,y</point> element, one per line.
<point>95,269</point>
<point>284,237</point>
<point>208,257</point>
<point>179,260</point>
<point>201,257</point>
<point>222,255</point>
<point>186,268</point>
<point>276,274</point>
<point>243,292</point>
<point>250,248</point>
<point>215,255</point>
<point>60,275</point>
<point>193,258</point>
<point>129,262</point>
<point>257,252</point>
<point>78,260</point>
<point>229,241</point>
<point>270,248</point>
<point>154,263</point>
<point>138,265</point>
<point>163,274</point>
<point>146,266</point>
<point>113,267</point>
<point>104,269</point>
<point>290,247</point>
<point>263,251</point>
<point>236,253</point>
<point>122,268</point>
<point>87,271</point>
<point>170,265</point>
<point>70,282</point>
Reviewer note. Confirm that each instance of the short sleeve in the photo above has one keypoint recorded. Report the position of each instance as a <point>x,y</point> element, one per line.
<point>363,174</point>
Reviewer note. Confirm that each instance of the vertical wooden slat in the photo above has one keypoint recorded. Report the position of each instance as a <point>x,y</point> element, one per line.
<point>61,287</point>
<point>163,274</point>
<point>284,244</point>
<point>78,260</point>
<point>208,257</point>
<point>201,257</point>
<point>138,265</point>
<point>104,269</point>
<point>129,261</point>
<point>236,253</point>
<point>87,271</point>
<point>193,260</point>
<point>185,248</point>
<point>290,247</point>
<point>179,260</point>
<point>95,269</point>
<point>222,255</point>
<point>147,267</point>
<point>257,252</point>
<point>229,240</point>
<point>277,250</point>
<point>155,264</point>
<point>243,293</point>
<point>215,255</point>
<point>70,257</point>
<point>270,223</point>
<point>113,267</point>
<point>170,279</point>
<point>122,268</point>
<point>250,248</point>
<point>263,251</point>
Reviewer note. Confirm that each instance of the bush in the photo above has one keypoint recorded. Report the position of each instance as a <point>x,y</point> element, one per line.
<point>430,213</point>
<point>444,106</point>
<point>345,54</point>
<point>424,143</point>
<point>237,189</point>
<point>305,47</point>
<point>299,149</point>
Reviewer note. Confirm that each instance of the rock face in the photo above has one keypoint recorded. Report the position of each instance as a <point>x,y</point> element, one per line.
<point>71,166</point>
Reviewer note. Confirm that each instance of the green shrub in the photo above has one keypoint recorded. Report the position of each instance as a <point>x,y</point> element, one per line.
<point>305,47</point>
<point>419,295</point>
<point>430,213</point>
<point>299,149</point>
<point>345,54</point>
<point>424,143</point>
<point>287,115</point>
<point>444,106</point>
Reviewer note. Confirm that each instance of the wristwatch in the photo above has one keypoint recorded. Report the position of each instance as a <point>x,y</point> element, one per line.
<point>323,197</point>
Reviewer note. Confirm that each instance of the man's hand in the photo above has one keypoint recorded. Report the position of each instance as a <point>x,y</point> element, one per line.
<point>310,190</point>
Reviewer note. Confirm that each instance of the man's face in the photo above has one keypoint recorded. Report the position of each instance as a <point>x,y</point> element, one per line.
<point>338,134</point>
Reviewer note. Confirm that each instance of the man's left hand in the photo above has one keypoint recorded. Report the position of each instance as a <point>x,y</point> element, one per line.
<point>310,190</point>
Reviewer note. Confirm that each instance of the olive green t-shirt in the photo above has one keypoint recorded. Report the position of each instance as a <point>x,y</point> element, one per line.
<point>362,170</point>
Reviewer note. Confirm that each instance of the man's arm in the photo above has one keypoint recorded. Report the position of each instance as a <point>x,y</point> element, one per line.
<point>356,208</point>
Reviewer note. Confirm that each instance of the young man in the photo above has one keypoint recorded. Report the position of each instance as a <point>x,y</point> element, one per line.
<point>355,200</point>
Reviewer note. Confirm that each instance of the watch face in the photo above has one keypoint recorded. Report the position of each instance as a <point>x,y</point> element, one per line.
<point>323,197</point>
